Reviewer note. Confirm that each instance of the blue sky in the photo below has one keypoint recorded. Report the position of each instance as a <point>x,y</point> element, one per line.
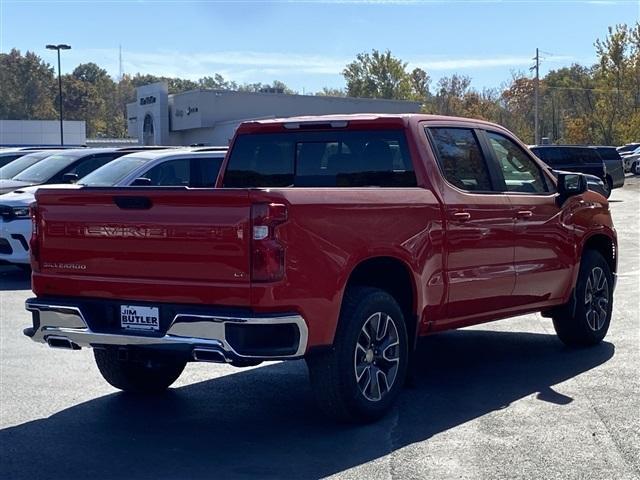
<point>307,43</point>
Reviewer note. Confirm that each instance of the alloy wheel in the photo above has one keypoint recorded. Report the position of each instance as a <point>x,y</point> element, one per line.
<point>377,356</point>
<point>596,299</point>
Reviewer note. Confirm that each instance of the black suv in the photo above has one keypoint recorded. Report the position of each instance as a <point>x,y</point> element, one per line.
<point>615,166</point>
<point>582,159</point>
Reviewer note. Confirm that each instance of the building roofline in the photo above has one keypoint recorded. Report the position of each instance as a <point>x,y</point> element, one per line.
<point>323,97</point>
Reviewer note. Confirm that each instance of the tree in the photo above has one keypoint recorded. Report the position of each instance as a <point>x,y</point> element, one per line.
<point>26,87</point>
<point>331,92</point>
<point>379,75</point>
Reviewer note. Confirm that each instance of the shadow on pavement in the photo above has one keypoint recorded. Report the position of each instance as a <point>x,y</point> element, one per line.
<point>14,278</point>
<point>263,423</point>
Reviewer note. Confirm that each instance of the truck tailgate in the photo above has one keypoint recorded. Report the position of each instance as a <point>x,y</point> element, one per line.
<point>113,242</point>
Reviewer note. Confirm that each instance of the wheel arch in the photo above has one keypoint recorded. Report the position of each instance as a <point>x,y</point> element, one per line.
<point>605,245</point>
<point>394,276</point>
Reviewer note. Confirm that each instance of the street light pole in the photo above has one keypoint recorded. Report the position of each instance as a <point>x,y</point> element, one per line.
<point>58,48</point>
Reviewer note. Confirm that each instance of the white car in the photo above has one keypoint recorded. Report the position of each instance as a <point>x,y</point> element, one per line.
<point>193,168</point>
<point>632,161</point>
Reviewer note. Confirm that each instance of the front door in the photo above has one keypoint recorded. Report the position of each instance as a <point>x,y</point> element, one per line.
<point>544,244</point>
<point>479,270</point>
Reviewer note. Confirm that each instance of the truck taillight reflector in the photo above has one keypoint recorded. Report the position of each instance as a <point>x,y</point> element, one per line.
<point>267,253</point>
<point>33,241</point>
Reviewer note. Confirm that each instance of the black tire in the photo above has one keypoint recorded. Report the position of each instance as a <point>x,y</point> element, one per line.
<point>333,372</point>
<point>581,322</point>
<point>608,185</point>
<point>140,375</point>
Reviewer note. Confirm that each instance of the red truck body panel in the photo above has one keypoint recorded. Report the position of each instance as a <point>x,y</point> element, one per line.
<point>193,246</point>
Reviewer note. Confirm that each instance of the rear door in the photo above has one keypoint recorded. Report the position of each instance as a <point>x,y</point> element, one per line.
<point>544,243</point>
<point>479,226</point>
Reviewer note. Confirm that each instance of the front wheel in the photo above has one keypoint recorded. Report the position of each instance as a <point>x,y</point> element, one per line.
<point>139,375</point>
<point>585,320</point>
<point>360,377</point>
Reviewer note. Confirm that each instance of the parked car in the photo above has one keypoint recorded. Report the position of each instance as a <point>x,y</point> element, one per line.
<point>63,167</point>
<point>172,168</point>
<point>632,161</point>
<point>17,165</point>
<point>628,148</point>
<point>338,239</point>
<point>582,159</point>
<point>195,169</point>
<point>614,166</point>
<point>8,155</point>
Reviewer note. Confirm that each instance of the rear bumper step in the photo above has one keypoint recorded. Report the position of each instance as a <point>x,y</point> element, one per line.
<point>205,338</point>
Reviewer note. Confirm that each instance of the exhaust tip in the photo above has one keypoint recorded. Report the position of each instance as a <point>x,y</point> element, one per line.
<point>62,342</point>
<point>208,355</point>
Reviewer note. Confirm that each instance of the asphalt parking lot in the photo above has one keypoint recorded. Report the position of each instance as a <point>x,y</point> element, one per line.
<point>501,400</point>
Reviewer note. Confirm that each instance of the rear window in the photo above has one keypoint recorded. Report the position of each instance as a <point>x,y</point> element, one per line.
<point>321,159</point>
<point>608,153</point>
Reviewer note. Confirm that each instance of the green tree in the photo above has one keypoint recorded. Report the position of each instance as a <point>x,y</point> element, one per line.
<point>379,75</point>
<point>26,87</point>
<point>331,92</point>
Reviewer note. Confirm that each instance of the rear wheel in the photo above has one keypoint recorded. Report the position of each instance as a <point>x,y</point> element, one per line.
<point>585,320</point>
<point>140,375</point>
<point>360,377</point>
<point>608,184</point>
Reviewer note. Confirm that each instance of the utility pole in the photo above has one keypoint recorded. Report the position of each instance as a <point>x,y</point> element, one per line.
<point>58,48</point>
<point>537,100</point>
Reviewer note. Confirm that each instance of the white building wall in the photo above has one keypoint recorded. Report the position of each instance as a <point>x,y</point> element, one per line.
<point>41,132</point>
<point>211,116</point>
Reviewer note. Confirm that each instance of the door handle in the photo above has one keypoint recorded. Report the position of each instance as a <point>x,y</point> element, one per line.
<point>462,216</point>
<point>524,214</point>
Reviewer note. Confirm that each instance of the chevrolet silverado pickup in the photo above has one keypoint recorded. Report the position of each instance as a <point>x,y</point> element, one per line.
<point>337,239</point>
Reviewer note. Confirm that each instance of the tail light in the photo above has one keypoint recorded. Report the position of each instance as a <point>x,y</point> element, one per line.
<point>33,241</point>
<point>267,253</point>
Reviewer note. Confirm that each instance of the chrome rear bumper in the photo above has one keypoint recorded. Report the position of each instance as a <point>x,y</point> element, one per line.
<point>65,326</point>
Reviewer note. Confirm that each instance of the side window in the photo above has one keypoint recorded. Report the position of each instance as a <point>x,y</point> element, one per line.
<point>173,173</point>
<point>521,173</point>
<point>88,165</point>
<point>461,159</point>
<point>204,171</point>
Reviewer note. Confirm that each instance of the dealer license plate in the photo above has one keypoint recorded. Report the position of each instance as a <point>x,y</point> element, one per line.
<point>135,317</point>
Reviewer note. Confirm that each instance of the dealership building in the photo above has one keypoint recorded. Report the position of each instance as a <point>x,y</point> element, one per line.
<point>210,117</point>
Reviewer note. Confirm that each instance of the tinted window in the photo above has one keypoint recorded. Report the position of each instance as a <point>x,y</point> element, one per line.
<point>321,159</point>
<point>204,171</point>
<point>5,159</point>
<point>22,163</point>
<point>521,173</point>
<point>172,173</point>
<point>111,173</point>
<point>553,156</point>
<point>88,165</point>
<point>608,153</point>
<point>460,158</point>
<point>46,169</point>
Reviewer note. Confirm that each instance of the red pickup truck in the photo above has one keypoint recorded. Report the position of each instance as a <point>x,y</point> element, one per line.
<point>338,239</point>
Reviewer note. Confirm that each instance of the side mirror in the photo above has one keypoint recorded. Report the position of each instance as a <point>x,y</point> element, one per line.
<point>571,184</point>
<point>141,182</point>
<point>70,177</point>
